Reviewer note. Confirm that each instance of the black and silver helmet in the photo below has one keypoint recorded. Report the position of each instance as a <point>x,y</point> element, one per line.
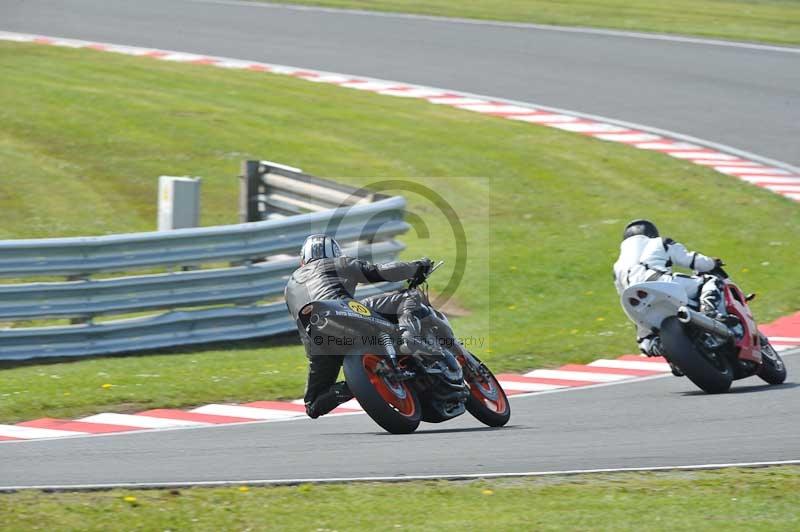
<point>640,227</point>
<point>319,247</point>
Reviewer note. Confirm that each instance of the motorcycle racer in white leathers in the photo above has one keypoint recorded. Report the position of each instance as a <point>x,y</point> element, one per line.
<point>645,256</point>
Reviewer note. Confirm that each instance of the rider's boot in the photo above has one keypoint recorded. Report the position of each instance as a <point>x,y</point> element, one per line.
<point>409,322</point>
<point>342,392</point>
<point>410,329</point>
<point>651,346</point>
<point>337,394</point>
<point>710,300</point>
<point>715,314</point>
<point>412,326</point>
<point>711,303</point>
<point>408,334</point>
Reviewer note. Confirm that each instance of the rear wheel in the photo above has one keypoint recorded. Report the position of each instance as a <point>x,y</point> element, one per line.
<point>712,374</point>
<point>772,370</point>
<point>391,404</point>
<point>487,401</point>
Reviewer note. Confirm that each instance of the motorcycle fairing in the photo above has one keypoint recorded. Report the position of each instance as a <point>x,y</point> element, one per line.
<point>649,304</point>
<point>736,304</point>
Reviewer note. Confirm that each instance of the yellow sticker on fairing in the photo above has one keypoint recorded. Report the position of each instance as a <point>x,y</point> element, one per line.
<point>355,306</point>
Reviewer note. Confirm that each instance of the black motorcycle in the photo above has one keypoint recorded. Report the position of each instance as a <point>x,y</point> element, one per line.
<point>438,381</point>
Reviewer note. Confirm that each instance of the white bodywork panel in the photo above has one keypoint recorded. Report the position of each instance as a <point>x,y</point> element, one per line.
<point>658,301</point>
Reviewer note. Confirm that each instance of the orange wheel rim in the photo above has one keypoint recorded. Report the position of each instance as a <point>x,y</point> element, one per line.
<point>489,393</point>
<point>398,395</point>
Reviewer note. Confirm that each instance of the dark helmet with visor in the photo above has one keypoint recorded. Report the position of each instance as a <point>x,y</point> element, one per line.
<point>640,227</point>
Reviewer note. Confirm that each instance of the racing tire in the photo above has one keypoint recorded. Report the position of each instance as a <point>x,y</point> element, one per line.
<point>487,401</point>
<point>392,405</point>
<point>772,370</point>
<point>681,351</point>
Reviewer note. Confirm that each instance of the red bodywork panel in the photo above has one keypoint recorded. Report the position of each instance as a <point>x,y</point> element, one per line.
<point>736,304</point>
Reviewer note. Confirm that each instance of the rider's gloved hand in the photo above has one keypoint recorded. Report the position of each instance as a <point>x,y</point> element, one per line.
<point>718,262</point>
<point>425,265</point>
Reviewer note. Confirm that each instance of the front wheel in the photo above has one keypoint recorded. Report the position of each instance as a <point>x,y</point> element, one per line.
<point>487,401</point>
<point>710,374</point>
<point>391,404</point>
<point>772,370</point>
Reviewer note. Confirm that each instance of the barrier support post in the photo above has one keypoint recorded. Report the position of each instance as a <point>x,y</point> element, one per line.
<point>249,191</point>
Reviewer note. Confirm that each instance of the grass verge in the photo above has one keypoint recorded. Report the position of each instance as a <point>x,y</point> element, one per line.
<point>89,132</point>
<point>776,21</point>
<point>731,499</point>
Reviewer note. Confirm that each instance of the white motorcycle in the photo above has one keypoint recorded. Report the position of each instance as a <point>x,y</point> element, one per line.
<point>711,353</point>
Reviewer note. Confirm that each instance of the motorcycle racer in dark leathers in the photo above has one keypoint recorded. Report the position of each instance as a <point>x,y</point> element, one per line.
<point>324,274</point>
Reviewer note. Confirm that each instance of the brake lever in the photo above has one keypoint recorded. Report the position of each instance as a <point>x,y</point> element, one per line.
<point>435,267</point>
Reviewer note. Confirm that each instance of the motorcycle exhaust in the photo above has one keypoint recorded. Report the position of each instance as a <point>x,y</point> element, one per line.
<point>710,325</point>
<point>320,322</point>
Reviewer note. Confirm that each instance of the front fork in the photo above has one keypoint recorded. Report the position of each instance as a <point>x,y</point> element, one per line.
<point>473,368</point>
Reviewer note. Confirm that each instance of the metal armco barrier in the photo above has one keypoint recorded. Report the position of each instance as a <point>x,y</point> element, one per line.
<point>258,250</point>
<point>165,330</point>
<point>271,190</point>
<point>85,255</point>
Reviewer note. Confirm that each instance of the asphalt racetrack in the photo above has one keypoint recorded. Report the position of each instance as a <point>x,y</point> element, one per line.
<point>746,97</point>
<point>664,421</point>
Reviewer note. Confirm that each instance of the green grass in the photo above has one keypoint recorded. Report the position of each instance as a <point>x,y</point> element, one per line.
<point>734,499</point>
<point>239,372</point>
<point>776,21</point>
<point>88,133</point>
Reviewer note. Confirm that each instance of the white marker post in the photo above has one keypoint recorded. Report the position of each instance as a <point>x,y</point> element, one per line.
<point>178,202</point>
